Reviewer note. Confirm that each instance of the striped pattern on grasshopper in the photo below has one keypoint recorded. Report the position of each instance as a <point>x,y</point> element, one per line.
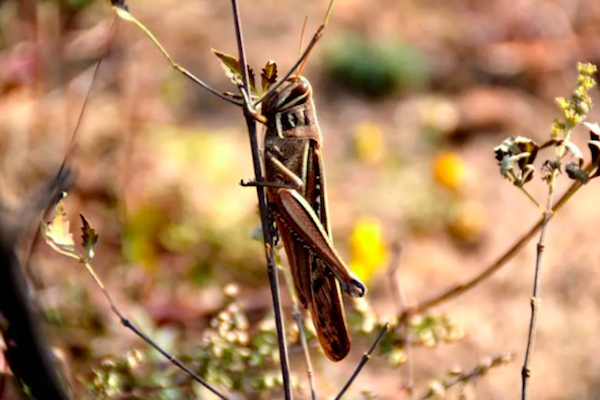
<point>296,193</point>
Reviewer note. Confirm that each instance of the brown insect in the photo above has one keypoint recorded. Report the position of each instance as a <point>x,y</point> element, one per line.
<point>296,192</point>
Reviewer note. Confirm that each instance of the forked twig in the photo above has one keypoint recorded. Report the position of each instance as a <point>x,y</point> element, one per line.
<point>363,361</point>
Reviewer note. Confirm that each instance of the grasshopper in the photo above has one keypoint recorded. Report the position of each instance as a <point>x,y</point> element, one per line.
<point>296,193</point>
<point>295,188</point>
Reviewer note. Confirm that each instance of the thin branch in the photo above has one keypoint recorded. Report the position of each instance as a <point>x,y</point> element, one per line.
<point>458,289</point>
<point>128,324</point>
<point>289,282</point>
<point>366,357</point>
<point>71,144</point>
<point>264,210</point>
<point>398,294</point>
<point>471,376</point>
<point>304,344</point>
<point>536,296</point>
<point>127,16</point>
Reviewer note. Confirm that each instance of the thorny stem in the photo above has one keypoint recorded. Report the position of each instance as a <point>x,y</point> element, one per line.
<point>128,324</point>
<point>264,211</point>
<point>364,360</point>
<point>458,289</point>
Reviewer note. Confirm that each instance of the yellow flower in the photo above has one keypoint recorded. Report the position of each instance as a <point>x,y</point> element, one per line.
<point>449,171</point>
<point>368,142</point>
<point>368,248</point>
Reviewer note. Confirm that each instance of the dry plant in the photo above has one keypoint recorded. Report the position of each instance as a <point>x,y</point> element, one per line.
<point>229,350</point>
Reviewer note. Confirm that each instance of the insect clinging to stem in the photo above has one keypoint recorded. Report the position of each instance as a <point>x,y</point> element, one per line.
<point>295,185</point>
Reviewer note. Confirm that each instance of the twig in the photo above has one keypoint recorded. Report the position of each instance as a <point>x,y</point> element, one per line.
<point>128,324</point>
<point>71,144</point>
<point>535,301</point>
<point>365,358</point>
<point>318,34</point>
<point>536,296</point>
<point>303,343</point>
<point>461,288</point>
<point>477,372</point>
<point>309,369</point>
<point>264,211</point>
<point>398,293</point>
<point>124,14</point>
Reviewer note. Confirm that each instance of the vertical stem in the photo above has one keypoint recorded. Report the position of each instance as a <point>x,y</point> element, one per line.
<point>536,296</point>
<point>304,344</point>
<point>264,211</point>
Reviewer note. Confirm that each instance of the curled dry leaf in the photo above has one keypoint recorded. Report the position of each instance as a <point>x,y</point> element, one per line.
<point>89,238</point>
<point>268,75</point>
<point>233,69</point>
<point>57,233</point>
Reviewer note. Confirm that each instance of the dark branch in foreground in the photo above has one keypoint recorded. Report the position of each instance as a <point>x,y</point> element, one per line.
<point>28,353</point>
<point>365,359</point>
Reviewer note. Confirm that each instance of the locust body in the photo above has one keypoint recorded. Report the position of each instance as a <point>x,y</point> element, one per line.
<point>296,193</point>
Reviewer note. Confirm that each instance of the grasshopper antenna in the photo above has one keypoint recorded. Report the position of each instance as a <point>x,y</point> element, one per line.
<point>301,67</point>
<point>315,39</point>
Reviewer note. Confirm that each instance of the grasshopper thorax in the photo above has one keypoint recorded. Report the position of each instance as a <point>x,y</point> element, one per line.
<point>289,111</point>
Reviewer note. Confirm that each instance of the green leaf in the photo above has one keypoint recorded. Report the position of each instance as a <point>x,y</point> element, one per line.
<point>233,69</point>
<point>58,235</point>
<point>89,238</point>
<point>268,75</point>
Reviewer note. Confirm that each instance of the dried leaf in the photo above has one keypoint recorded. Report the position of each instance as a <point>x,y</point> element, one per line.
<point>268,75</point>
<point>89,238</point>
<point>574,172</point>
<point>233,69</point>
<point>120,5</point>
<point>58,234</point>
<point>574,150</point>
<point>594,128</point>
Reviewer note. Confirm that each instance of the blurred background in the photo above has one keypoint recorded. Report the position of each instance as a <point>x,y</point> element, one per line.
<point>412,97</point>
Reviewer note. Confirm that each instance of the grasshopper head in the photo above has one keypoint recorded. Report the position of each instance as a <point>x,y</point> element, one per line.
<point>295,91</point>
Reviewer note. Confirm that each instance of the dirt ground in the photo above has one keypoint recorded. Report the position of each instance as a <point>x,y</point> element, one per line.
<point>159,162</point>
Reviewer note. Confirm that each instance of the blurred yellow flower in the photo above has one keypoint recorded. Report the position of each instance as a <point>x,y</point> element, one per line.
<point>467,221</point>
<point>368,142</point>
<point>368,248</point>
<point>449,171</point>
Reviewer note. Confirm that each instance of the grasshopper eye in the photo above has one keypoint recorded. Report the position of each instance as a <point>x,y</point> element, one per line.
<point>301,90</point>
<point>298,92</point>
